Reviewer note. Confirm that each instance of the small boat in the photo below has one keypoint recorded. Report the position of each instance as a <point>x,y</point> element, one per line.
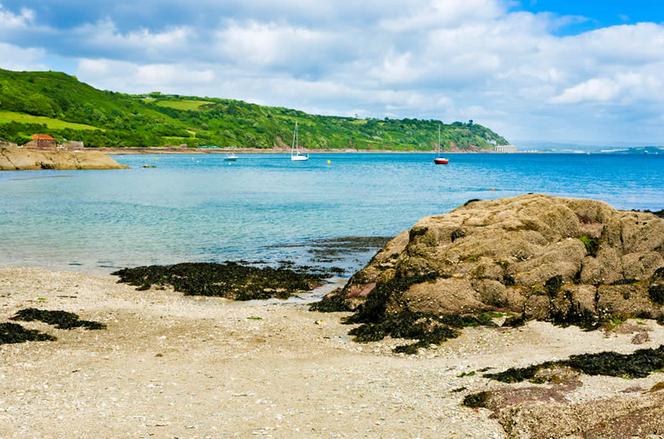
<point>230,158</point>
<point>296,155</point>
<point>438,160</point>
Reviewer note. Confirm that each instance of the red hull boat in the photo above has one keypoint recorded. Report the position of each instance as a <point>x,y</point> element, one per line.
<point>439,160</point>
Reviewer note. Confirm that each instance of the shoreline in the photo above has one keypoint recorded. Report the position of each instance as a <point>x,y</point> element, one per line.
<point>160,150</point>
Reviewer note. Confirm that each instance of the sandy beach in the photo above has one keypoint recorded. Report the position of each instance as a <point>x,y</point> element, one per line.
<point>170,365</point>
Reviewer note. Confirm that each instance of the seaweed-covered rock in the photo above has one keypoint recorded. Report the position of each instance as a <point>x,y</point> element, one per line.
<point>13,333</point>
<point>567,261</point>
<point>230,280</point>
<point>638,364</point>
<point>59,319</point>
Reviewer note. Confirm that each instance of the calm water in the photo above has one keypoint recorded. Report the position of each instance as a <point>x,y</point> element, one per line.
<point>264,207</point>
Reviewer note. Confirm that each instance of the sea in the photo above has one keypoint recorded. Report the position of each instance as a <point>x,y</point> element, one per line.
<point>266,209</point>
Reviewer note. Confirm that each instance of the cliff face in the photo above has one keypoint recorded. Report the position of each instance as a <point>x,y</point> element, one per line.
<point>12,159</point>
<point>568,261</point>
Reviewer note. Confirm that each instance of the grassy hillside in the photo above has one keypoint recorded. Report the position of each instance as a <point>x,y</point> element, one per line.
<point>60,105</point>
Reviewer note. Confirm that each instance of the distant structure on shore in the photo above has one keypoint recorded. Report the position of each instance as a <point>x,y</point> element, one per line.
<point>506,148</point>
<point>41,141</point>
<point>48,143</point>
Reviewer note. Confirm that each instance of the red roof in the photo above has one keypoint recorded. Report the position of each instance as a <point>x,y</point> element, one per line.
<point>42,137</point>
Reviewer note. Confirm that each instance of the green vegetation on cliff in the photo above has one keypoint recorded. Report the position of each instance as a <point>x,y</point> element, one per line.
<point>59,104</point>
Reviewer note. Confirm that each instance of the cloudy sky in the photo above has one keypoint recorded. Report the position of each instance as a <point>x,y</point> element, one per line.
<point>546,70</point>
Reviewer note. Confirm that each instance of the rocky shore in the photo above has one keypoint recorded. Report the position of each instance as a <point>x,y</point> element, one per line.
<point>530,317</point>
<point>14,159</point>
<point>533,257</point>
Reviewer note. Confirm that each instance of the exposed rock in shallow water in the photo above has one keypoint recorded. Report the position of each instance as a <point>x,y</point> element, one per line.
<point>60,319</point>
<point>13,333</point>
<point>229,280</point>
<point>536,257</point>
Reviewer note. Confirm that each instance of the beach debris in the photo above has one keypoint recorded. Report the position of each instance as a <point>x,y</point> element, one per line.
<point>59,319</point>
<point>15,333</point>
<point>230,280</point>
<point>533,257</point>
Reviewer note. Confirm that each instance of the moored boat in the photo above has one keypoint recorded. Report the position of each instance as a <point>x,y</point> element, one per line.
<point>296,155</point>
<point>438,160</point>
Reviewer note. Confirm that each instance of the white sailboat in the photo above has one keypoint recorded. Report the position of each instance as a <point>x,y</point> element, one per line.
<point>296,156</point>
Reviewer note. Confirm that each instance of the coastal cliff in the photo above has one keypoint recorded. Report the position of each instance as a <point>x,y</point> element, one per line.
<point>15,159</point>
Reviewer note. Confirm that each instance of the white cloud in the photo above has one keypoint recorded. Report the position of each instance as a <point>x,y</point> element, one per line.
<point>140,78</point>
<point>593,90</point>
<point>104,36</point>
<point>268,43</point>
<point>9,20</point>
<point>18,58</point>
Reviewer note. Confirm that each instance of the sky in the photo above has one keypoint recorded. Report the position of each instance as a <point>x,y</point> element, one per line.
<point>588,71</point>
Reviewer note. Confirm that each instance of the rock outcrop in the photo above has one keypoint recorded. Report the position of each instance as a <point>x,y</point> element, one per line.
<point>568,261</point>
<point>12,159</point>
<point>546,412</point>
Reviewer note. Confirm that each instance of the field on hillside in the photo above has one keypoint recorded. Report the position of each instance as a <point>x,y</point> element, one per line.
<point>56,124</point>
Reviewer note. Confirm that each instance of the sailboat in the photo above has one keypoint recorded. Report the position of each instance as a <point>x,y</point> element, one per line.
<point>296,156</point>
<point>438,159</point>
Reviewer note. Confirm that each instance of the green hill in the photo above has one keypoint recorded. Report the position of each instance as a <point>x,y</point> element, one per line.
<point>59,104</point>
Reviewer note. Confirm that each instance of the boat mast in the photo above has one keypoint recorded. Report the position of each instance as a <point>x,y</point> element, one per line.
<point>438,139</point>
<point>295,141</point>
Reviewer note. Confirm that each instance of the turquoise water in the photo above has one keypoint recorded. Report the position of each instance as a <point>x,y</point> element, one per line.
<point>265,207</point>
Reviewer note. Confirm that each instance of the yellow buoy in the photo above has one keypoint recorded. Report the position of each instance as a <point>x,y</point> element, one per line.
<point>329,162</point>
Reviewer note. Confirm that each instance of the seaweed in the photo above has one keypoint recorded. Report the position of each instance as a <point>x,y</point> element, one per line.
<point>553,285</point>
<point>477,400</point>
<point>638,364</point>
<point>457,234</point>
<point>624,282</point>
<point>333,302</point>
<point>656,289</point>
<point>508,280</point>
<point>377,323</point>
<point>573,314</point>
<point>15,333</point>
<point>515,321</point>
<point>230,279</point>
<point>592,244</point>
<point>59,319</point>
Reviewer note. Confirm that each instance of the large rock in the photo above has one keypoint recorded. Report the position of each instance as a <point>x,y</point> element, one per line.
<point>569,261</point>
<point>12,159</point>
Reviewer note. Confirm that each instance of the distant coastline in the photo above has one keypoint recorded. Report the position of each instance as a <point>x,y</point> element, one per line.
<point>166,150</point>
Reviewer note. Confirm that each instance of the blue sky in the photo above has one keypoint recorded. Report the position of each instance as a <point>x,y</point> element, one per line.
<point>600,13</point>
<point>548,70</point>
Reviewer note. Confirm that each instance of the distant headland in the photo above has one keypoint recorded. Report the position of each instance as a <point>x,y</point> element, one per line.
<point>65,108</point>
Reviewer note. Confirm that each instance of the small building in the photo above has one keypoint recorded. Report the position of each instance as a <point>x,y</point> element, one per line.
<point>41,141</point>
<point>506,148</point>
